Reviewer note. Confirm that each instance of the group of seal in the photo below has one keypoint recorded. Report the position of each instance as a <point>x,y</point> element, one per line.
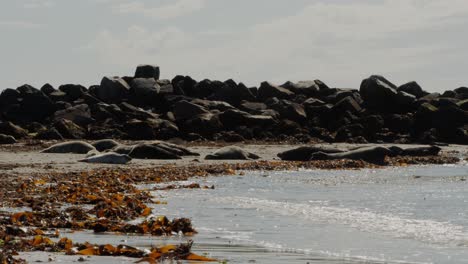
<point>372,154</point>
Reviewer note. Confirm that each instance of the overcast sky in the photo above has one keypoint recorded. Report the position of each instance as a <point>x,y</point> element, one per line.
<point>338,41</point>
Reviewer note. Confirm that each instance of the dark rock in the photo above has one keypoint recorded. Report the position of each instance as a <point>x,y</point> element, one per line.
<point>309,88</point>
<point>47,89</point>
<point>6,139</point>
<point>413,88</point>
<point>185,110</point>
<point>347,132</point>
<point>372,124</point>
<point>378,93</point>
<point>232,93</point>
<point>49,134</point>
<point>73,91</point>
<point>346,104</point>
<point>235,118</point>
<point>463,104</point>
<point>131,111</point>
<point>269,90</point>
<point>79,114</point>
<point>144,90</point>
<point>69,130</point>
<point>59,96</point>
<point>183,85</point>
<point>205,124</point>
<point>213,105</point>
<point>11,129</point>
<point>112,90</point>
<point>252,107</point>
<point>290,110</point>
<point>147,71</point>
<point>449,94</point>
<point>141,130</point>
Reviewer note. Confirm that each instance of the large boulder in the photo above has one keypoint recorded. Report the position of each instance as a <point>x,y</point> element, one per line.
<point>235,118</point>
<point>11,129</point>
<point>147,71</point>
<point>73,91</point>
<point>232,93</point>
<point>205,124</point>
<point>185,110</point>
<point>144,90</point>
<point>49,134</point>
<point>290,110</point>
<point>34,106</point>
<point>183,85</point>
<point>47,89</point>
<point>79,114</point>
<point>69,130</point>
<point>309,88</point>
<point>269,90</point>
<point>413,88</point>
<point>378,93</point>
<point>112,90</point>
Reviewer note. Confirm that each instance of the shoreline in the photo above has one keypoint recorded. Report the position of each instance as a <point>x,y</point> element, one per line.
<point>23,166</point>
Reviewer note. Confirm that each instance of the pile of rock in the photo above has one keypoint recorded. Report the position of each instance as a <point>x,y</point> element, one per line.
<point>144,107</point>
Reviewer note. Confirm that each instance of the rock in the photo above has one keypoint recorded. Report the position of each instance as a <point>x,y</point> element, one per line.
<point>184,110</point>
<point>232,93</point>
<point>47,89</point>
<point>372,124</point>
<point>235,118</point>
<point>141,130</point>
<point>112,90</point>
<point>346,104</point>
<point>69,130</point>
<point>11,129</point>
<point>290,110</point>
<point>131,111</point>
<point>35,106</point>
<point>252,107</point>
<point>145,151</point>
<point>348,132</point>
<point>79,114</point>
<point>6,139</point>
<point>413,88</point>
<point>213,105</point>
<point>73,91</point>
<point>147,71</point>
<point>49,134</point>
<point>144,90</point>
<point>108,158</point>
<point>309,88</point>
<point>374,155</point>
<point>304,153</point>
<point>378,93</point>
<point>231,153</point>
<point>105,144</point>
<point>269,90</point>
<point>463,105</point>
<point>76,147</point>
<point>204,124</point>
<point>184,85</point>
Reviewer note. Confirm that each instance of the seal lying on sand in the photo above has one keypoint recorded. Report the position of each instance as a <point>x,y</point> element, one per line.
<point>416,152</point>
<point>144,151</point>
<point>105,144</point>
<point>231,153</point>
<point>76,147</point>
<point>109,158</point>
<point>304,153</point>
<point>374,155</point>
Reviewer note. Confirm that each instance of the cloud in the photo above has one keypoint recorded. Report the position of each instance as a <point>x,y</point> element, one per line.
<point>340,42</point>
<point>19,24</point>
<point>169,11</point>
<point>31,4</point>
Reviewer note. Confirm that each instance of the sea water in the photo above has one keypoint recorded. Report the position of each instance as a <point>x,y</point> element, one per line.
<point>416,214</point>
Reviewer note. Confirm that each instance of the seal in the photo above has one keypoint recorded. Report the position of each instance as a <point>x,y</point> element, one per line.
<point>375,155</point>
<point>416,152</point>
<point>76,147</point>
<point>105,144</point>
<point>231,153</point>
<point>305,152</point>
<point>108,158</point>
<point>145,151</point>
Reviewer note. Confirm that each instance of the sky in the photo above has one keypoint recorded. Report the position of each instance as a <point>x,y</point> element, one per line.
<point>339,42</point>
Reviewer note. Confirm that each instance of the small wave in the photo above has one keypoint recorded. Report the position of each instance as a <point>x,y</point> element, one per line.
<point>421,230</point>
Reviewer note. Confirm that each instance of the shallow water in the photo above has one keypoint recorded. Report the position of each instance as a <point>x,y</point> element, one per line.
<point>393,215</point>
<point>414,214</point>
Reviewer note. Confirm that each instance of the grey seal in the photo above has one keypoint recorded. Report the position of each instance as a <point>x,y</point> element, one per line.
<point>374,155</point>
<point>305,152</point>
<point>76,147</point>
<point>109,158</point>
<point>231,153</point>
